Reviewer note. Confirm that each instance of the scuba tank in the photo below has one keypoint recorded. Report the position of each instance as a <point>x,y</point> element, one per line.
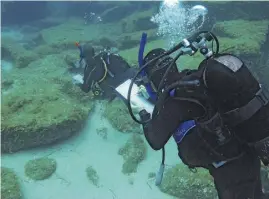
<point>241,100</point>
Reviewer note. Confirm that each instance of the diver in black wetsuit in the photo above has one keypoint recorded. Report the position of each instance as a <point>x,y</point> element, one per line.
<point>219,117</point>
<point>102,72</point>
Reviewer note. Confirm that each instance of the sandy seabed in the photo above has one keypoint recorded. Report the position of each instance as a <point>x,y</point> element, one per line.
<point>89,149</point>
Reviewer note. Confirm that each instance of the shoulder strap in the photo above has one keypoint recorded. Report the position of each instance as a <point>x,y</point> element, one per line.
<point>239,115</point>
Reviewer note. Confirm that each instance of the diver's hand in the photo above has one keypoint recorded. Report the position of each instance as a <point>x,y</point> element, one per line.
<point>77,79</point>
<point>137,107</point>
<point>143,92</point>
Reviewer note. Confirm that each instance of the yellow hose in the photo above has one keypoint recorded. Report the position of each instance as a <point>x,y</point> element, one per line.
<point>105,66</point>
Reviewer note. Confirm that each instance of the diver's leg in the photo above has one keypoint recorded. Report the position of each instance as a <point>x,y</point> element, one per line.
<point>239,179</point>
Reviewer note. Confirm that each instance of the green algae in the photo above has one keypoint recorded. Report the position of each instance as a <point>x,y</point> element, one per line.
<point>190,62</point>
<point>151,175</point>
<point>117,114</point>
<point>41,108</point>
<point>74,30</point>
<point>132,22</point>
<point>180,182</point>
<point>242,37</point>
<point>11,50</point>
<point>92,176</point>
<point>10,186</point>
<point>131,54</point>
<point>40,169</point>
<point>133,152</point>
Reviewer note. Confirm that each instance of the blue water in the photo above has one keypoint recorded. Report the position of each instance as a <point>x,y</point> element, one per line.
<point>44,115</point>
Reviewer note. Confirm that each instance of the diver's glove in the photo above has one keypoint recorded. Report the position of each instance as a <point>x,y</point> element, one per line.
<point>136,107</point>
<point>144,115</point>
<point>143,92</point>
<point>77,79</point>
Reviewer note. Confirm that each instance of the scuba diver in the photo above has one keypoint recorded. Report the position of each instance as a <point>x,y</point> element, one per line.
<point>100,73</point>
<point>218,114</point>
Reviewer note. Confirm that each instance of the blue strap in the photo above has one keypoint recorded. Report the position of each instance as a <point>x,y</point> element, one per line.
<point>183,129</point>
<point>143,42</point>
<point>218,164</point>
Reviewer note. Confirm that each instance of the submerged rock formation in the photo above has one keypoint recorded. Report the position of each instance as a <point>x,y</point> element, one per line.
<point>117,114</point>
<point>180,182</point>
<point>10,186</point>
<point>133,152</point>
<point>40,169</point>
<point>43,106</point>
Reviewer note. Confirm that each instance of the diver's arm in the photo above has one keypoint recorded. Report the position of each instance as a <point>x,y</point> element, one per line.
<point>147,127</point>
<point>87,80</point>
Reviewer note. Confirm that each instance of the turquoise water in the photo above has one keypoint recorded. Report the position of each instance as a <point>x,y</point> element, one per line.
<point>59,143</point>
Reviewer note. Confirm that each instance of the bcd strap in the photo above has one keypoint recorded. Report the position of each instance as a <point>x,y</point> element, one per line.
<point>215,126</point>
<point>239,115</point>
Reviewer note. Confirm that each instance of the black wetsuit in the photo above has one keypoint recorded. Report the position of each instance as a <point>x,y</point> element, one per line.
<point>117,71</point>
<point>238,178</point>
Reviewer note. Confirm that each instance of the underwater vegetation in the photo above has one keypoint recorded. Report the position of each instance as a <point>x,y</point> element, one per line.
<point>12,51</point>
<point>92,176</point>
<point>36,114</point>
<point>102,132</point>
<point>10,185</point>
<point>180,182</point>
<point>133,152</point>
<point>151,175</point>
<point>241,37</point>
<point>117,114</point>
<point>40,169</point>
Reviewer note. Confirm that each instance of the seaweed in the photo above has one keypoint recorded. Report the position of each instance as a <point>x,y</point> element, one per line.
<point>117,114</point>
<point>92,175</point>
<point>180,182</point>
<point>40,169</point>
<point>133,152</point>
<point>10,186</point>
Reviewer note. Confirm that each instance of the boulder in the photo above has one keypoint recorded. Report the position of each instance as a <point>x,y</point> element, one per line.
<point>43,107</point>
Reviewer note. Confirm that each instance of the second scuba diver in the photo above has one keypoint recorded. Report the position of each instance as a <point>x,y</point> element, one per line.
<point>217,114</point>
<point>100,73</point>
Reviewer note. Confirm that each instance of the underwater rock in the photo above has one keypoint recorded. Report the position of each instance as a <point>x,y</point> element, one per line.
<point>180,182</point>
<point>92,176</point>
<point>33,40</point>
<point>139,20</point>
<point>102,132</point>
<point>151,175</point>
<point>130,40</point>
<point>10,186</point>
<point>11,50</point>
<point>43,108</point>
<point>105,42</point>
<point>144,24</point>
<point>242,37</point>
<point>133,152</point>
<point>117,114</point>
<point>44,50</point>
<point>232,10</point>
<point>40,169</point>
<point>6,84</point>
<point>65,35</point>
